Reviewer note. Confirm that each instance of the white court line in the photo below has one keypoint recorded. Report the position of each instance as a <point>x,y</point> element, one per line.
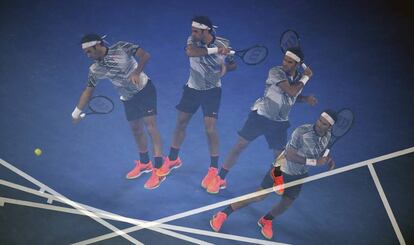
<point>112,216</point>
<point>52,198</point>
<point>101,215</point>
<point>386,204</point>
<point>68,202</point>
<point>251,195</point>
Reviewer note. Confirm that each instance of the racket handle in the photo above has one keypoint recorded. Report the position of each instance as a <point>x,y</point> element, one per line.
<point>326,153</point>
<point>83,115</point>
<point>232,52</point>
<point>304,66</point>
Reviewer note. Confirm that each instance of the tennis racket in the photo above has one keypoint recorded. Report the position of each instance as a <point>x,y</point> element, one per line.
<point>99,105</point>
<point>344,122</point>
<point>253,55</point>
<point>290,39</point>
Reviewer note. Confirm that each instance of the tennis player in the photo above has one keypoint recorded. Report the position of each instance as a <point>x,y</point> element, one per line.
<point>138,94</point>
<point>269,115</point>
<point>304,149</point>
<point>208,63</point>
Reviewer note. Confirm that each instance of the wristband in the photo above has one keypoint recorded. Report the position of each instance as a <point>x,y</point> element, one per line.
<point>212,50</point>
<point>310,161</point>
<point>76,113</point>
<point>304,79</point>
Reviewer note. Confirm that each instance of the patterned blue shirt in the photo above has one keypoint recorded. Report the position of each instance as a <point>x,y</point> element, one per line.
<point>205,71</point>
<point>276,104</point>
<point>117,65</point>
<point>308,144</point>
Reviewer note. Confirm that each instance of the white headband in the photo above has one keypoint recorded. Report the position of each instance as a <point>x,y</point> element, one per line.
<point>90,44</point>
<point>328,118</point>
<point>202,26</point>
<point>293,56</point>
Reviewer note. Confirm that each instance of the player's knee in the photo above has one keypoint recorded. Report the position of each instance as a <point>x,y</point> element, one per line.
<point>138,131</point>
<point>152,129</point>
<point>210,129</point>
<point>241,145</point>
<point>182,124</point>
<point>136,127</point>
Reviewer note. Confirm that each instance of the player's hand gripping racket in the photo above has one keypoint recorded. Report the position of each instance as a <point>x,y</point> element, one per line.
<point>290,39</point>
<point>99,105</point>
<point>253,55</point>
<point>344,122</point>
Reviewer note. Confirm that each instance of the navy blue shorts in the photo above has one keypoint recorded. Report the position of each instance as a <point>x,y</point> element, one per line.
<point>291,192</point>
<point>192,99</point>
<point>274,132</point>
<point>142,104</point>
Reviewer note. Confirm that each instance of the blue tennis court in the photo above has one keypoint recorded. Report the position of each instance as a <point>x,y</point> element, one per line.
<point>76,190</point>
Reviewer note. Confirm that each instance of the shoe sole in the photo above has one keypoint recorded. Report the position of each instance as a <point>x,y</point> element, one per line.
<point>162,175</point>
<point>221,188</point>
<point>212,227</point>
<point>151,188</point>
<point>261,230</point>
<point>211,192</point>
<point>134,177</point>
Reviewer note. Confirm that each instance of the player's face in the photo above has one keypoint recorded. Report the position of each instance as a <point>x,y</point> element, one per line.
<point>322,126</point>
<point>92,52</point>
<point>288,64</point>
<point>197,34</point>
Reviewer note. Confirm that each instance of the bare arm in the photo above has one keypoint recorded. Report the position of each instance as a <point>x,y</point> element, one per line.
<point>309,99</point>
<point>294,88</point>
<point>291,89</point>
<point>86,95</point>
<point>231,66</point>
<point>143,57</point>
<point>292,155</point>
<point>192,51</point>
<point>83,100</point>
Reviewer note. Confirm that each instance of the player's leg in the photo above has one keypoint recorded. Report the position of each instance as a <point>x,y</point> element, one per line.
<point>137,128</point>
<point>250,131</point>
<point>148,109</point>
<point>151,125</point>
<point>210,104</point>
<point>212,138</point>
<point>187,106</point>
<point>146,103</point>
<point>183,119</point>
<point>144,165</point>
<point>288,197</point>
<point>276,137</point>
<point>219,218</point>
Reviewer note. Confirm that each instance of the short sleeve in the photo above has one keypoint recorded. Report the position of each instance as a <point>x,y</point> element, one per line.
<point>276,76</point>
<point>296,140</point>
<point>129,48</point>
<point>92,77</point>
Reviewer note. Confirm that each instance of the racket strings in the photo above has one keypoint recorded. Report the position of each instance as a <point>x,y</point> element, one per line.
<point>255,55</point>
<point>101,105</point>
<point>343,123</point>
<point>288,40</point>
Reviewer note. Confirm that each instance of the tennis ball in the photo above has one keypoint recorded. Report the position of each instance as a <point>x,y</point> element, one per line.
<point>37,152</point>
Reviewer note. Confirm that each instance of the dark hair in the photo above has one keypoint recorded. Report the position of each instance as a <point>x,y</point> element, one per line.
<point>90,37</point>
<point>331,113</point>
<point>297,51</point>
<point>204,20</point>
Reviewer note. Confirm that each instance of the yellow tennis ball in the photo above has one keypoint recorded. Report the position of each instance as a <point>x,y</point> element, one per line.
<point>37,152</point>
